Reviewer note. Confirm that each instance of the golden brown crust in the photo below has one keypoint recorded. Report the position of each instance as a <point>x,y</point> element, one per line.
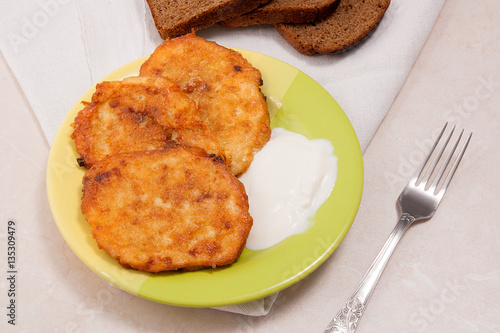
<point>166,210</point>
<point>136,114</point>
<point>226,88</point>
<point>200,135</point>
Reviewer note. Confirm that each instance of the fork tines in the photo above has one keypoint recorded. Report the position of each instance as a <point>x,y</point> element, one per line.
<point>435,174</point>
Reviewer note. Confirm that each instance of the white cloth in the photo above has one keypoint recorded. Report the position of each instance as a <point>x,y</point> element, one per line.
<point>57,49</point>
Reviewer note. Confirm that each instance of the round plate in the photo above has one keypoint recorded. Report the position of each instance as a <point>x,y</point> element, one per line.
<point>297,103</point>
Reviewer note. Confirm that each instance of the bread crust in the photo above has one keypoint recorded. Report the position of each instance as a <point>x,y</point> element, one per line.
<point>278,11</point>
<point>348,25</point>
<point>176,18</point>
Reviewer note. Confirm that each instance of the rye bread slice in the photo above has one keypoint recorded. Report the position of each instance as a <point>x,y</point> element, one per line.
<point>351,22</point>
<point>174,18</point>
<point>284,11</point>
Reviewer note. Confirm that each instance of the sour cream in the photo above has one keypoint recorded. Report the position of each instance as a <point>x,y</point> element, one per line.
<point>288,180</point>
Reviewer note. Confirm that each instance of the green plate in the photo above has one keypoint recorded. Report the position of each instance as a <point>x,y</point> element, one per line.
<point>297,103</point>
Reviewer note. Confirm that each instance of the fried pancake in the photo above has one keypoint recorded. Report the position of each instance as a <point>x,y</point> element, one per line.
<point>199,135</point>
<point>226,88</point>
<point>136,114</point>
<point>166,210</point>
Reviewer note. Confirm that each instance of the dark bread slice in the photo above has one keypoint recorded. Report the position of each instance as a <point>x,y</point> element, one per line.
<point>174,18</point>
<point>284,11</point>
<point>352,21</point>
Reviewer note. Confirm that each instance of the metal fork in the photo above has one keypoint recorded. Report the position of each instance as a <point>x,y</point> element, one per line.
<point>418,201</point>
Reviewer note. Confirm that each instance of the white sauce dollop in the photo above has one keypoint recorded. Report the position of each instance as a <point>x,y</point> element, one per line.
<point>288,180</point>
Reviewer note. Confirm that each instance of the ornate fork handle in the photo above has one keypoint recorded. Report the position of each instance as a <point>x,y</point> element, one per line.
<point>348,317</point>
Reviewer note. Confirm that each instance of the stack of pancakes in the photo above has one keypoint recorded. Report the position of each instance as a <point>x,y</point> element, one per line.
<point>164,150</point>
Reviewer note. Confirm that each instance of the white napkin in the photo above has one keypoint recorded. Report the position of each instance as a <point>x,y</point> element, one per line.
<point>58,49</point>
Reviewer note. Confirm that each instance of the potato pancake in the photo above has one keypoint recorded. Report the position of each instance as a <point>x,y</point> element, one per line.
<point>226,88</point>
<point>136,114</point>
<point>166,210</point>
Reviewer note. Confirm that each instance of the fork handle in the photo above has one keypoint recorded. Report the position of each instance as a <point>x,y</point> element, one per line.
<point>347,319</point>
